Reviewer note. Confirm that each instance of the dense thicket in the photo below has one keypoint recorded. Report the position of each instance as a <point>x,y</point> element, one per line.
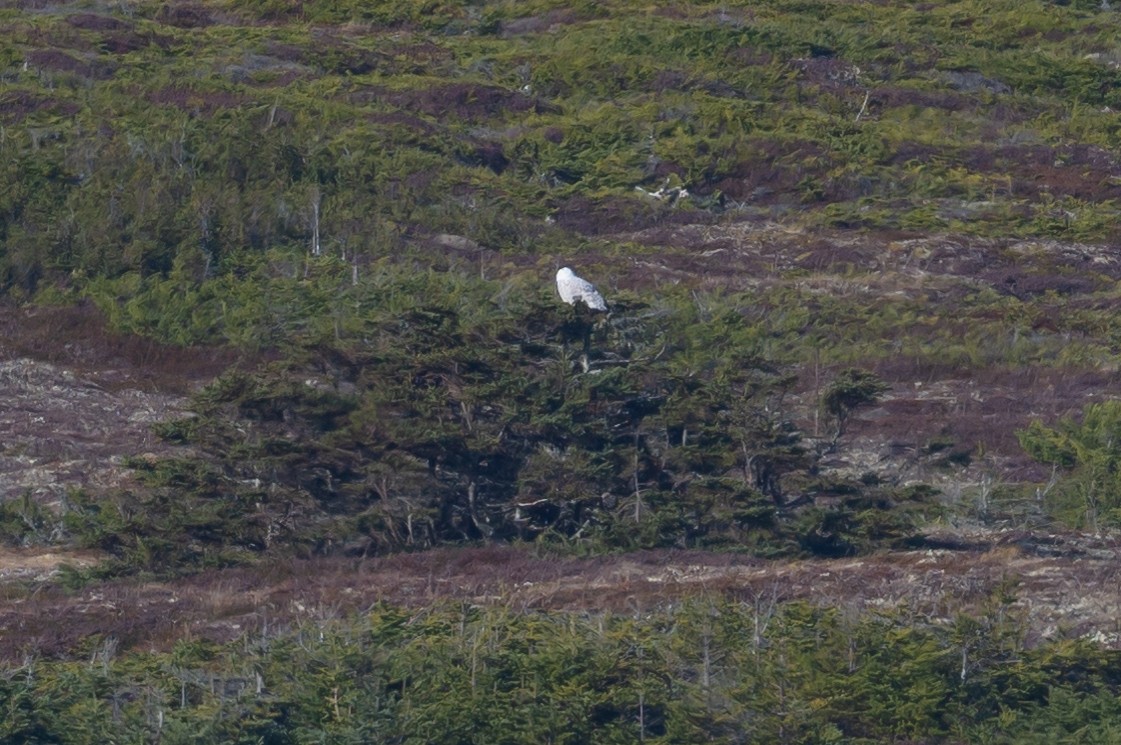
<point>443,408</point>
<point>705,672</point>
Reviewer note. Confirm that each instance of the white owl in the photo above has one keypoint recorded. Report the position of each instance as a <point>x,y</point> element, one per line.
<point>573,288</point>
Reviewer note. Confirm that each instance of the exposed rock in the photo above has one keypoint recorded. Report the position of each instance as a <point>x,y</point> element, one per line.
<point>63,431</point>
<point>456,242</point>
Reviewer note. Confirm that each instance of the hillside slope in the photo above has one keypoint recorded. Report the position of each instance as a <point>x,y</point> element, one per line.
<point>298,443</point>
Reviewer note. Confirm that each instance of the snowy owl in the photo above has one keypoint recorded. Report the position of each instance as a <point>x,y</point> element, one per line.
<point>573,288</point>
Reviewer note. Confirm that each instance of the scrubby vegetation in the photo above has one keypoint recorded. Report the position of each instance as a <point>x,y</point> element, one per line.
<point>701,673</point>
<point>209,139</point>
<point>442,408</point>
<point>374,198</point>
<point>365,203</point>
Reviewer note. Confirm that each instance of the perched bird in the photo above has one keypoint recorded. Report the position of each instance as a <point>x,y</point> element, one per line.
<point>573,288</point>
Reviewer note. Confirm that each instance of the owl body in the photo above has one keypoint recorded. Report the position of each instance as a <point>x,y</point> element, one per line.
<point>572,289</point>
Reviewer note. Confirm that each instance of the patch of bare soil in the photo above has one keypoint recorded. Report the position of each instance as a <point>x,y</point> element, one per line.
<point>1060,587</point>
<point>962,410</point>
<point>40,565</point>
<point>750,254</point>
<point>76,401</point>
<point>63,431</point>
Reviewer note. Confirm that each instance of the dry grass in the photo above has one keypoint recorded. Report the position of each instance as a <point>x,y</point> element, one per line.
<point>76,337</point>
<point>80,399</point>
<point>1066,582</point>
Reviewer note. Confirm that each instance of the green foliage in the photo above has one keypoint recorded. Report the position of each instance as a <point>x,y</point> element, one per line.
<point>25,521</point>
<point>850,390</point>
<point>138,141</point>
<point>1089,449</point>
<point>416,408</point>
<point>273,183</point>
<point>705,671</point>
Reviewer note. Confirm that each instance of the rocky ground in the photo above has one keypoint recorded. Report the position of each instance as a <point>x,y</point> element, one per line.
<point>77,400</point>
<point>63,430</point>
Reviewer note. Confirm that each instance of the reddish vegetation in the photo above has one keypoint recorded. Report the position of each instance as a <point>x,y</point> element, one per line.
<point>198,102</point>
<point>123,42</point>
<point>185,15</point>
<point>76,337</point>
<point>16,105</point>
<point>78,399</point>
<point>890,97</point>
<point>54,60</point>
<point>224,604</point>
<point>92,22</point>
<point>550,21</point>
<point>419,52</point>
<point>771,171</point>
<point>471,102</point>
